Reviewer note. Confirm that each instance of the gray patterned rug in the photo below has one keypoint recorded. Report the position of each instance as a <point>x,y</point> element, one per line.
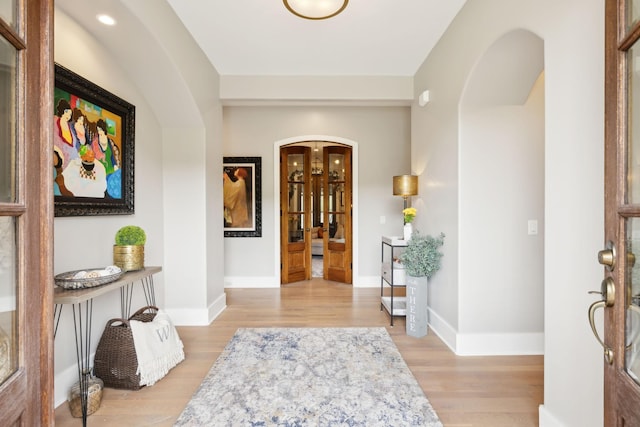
<point>309,377</point>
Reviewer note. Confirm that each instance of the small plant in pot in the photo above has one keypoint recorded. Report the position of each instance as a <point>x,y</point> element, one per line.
<point>421,260</point>
<point>128,251</point>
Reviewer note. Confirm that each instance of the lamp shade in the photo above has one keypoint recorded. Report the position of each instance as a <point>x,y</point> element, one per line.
<point>405,185</point>
<point>315,9</point>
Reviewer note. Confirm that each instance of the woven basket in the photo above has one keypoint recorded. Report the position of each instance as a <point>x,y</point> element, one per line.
<point>116,360</point>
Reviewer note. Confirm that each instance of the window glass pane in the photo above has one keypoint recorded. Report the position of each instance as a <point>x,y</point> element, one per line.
<point>336,227</point>
<point>8,299</point>
<point>296,197</point>
<point>336,167</point>
<point>8,60</point>
<point>296,167</point>
<point>633,12</point>
<point>8,12</point>
<point>296,224</point>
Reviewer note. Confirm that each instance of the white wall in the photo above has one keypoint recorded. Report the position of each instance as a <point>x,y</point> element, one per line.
<point>573,181</point>
<point>501,189</point>
<point>86,242</point>
<point>191,115</point>
<point>176,106</point>
<point>382,135</point>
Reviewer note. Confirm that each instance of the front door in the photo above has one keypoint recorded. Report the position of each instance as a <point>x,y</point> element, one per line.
<point>620,288</point>
<point>26,213</point>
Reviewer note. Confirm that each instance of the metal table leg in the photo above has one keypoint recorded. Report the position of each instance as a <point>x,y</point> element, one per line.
<point>82,314</point>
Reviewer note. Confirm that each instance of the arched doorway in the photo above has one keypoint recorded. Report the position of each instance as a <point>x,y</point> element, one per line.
<point>316,212</point>
<point>502,167</point>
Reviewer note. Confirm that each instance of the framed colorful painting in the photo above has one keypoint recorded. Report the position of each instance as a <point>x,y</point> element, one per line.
<point>93,149</point>
<point>242,190</point>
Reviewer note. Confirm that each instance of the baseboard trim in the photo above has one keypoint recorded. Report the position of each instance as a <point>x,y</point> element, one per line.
<point>251,282</point>
<point>367,282</point>
<point>198,316</point>
<point>265,282</point>
<point>63,383</point>
<point>217,307</point>
<point>546,419</point>
<point>442,329</point>
<point>498,344</point>
<point>486,344</point>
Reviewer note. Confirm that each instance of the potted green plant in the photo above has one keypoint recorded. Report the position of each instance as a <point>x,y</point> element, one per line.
<point>421,260</point>
<point>128,251</point>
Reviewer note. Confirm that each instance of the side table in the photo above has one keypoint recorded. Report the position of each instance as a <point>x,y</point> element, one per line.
<point>81,301</point>
<point>393,276</point>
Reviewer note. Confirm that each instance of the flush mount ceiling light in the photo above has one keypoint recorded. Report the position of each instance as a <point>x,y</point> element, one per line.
<point>315,9</point>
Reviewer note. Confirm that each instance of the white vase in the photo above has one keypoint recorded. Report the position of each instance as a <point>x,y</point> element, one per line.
<point>408,231</point>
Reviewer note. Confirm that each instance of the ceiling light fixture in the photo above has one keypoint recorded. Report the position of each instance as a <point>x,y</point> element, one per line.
<point>315,9</point>
<point>106,19</point>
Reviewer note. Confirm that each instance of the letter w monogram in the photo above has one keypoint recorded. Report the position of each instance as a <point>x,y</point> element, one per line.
<point>163,333</point>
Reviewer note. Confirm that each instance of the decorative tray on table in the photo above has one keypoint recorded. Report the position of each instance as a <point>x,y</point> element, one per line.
<point>89,278</point>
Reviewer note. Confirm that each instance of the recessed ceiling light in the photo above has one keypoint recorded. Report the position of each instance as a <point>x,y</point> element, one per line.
<point>106,19</point>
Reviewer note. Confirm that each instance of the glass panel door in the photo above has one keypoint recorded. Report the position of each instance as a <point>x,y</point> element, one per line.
<point>336,205</point>
<point>632,356</point>
<point>8,299</point>
<point>8,180</point>
<point>295,205</point>
<point>8,12</point>
<point>296,187</point>
<point>632,194</point>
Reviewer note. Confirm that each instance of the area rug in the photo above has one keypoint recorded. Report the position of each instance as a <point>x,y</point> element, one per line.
<point>309,377</point>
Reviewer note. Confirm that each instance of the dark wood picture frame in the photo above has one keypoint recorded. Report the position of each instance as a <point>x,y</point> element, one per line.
<point>94,151</point>
<point>242,191</point>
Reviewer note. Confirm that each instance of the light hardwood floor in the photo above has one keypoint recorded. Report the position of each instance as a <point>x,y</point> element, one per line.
<point>464,391</point>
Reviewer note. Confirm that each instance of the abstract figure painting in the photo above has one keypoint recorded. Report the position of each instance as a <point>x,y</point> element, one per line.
<point>93,149</point>
<point>242,196</point>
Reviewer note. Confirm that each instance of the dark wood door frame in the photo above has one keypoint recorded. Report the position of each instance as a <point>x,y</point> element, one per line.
<point>26,397</point>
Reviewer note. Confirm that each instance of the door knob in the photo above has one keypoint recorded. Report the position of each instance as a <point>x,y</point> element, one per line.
<point>607,291</point>
<point>608,298</point>
<point>607,256</point>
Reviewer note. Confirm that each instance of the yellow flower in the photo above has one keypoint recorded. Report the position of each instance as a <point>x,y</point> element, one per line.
<point>409,214</point>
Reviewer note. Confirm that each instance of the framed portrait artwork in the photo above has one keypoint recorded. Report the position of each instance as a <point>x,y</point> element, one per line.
<point>93,148</point>
<point>242,190</point>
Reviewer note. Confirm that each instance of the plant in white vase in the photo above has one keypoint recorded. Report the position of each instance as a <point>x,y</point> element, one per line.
<point>409,214</point>
<point>421,260</point>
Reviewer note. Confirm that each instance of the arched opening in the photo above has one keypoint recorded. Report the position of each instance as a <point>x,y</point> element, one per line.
<point>326,209</point>
<point>502,196</point>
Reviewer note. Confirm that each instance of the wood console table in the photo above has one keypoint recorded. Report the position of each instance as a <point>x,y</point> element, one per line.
<point>81,301</point>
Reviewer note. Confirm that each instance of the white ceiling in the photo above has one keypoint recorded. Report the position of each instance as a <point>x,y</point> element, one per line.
<point>370,37</point>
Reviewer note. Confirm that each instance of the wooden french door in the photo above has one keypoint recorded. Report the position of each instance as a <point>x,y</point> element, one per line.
<point>301,188</point>
<point>620,289</point>
<point>337,199</point>
<point>26,213</point>
<point>295,214</point>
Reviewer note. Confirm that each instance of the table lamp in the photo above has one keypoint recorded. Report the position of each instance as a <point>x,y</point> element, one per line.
<point>405,186</point>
